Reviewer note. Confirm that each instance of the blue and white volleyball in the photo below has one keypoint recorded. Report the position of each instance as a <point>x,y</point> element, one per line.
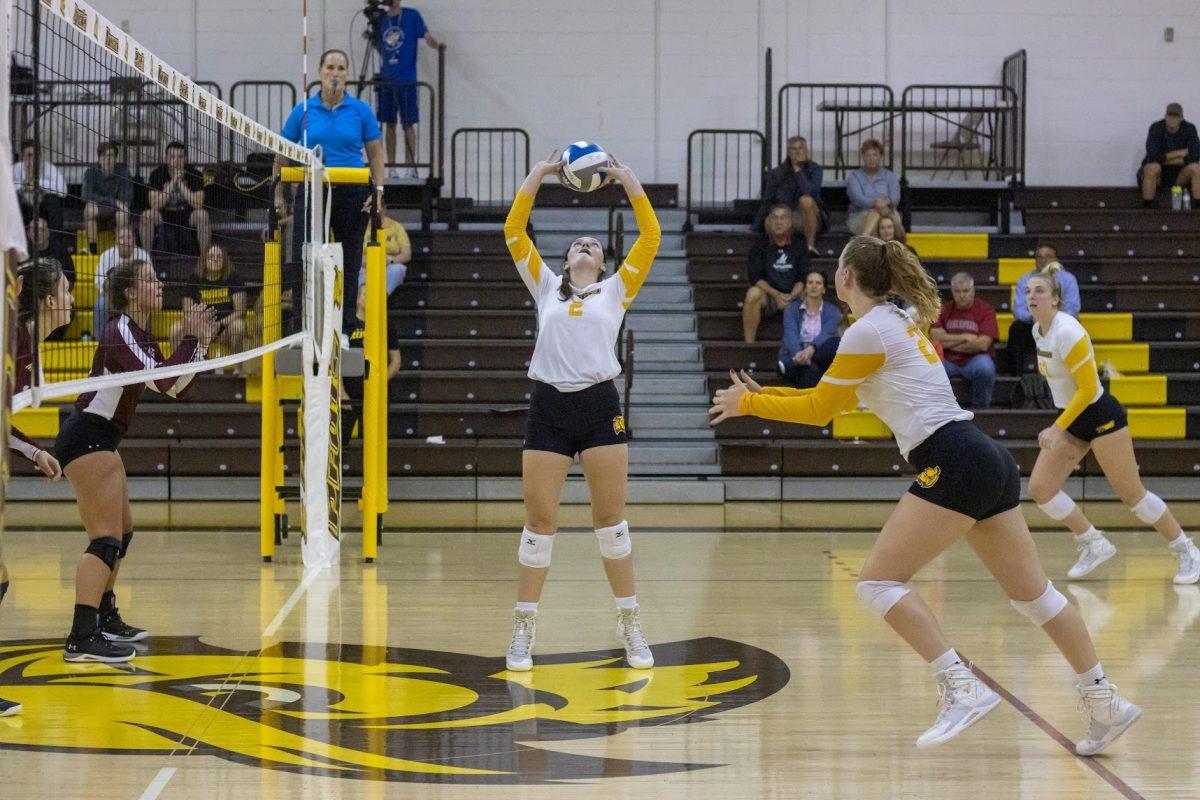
<point>582,167</point>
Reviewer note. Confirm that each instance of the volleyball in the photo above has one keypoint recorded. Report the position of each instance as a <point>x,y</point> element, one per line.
<point>582,167</point>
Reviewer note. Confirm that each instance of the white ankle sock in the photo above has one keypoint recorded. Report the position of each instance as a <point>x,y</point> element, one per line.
<point>1093,676</point>
<point>1179,543</point>
<point>626,603</point>
<point>945,661</point>
<point>1087,535</point>
<point>529,608</point>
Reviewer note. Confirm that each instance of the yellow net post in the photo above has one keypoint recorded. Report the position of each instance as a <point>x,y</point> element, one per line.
<point>381,463</point>
<point>374,437</point>
<point>268,492</point>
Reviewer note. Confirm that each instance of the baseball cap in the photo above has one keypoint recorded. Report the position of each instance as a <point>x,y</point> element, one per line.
<point>1174,110</point>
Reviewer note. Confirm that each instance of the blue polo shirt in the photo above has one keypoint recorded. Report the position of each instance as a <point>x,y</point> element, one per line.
<point>341,132</point>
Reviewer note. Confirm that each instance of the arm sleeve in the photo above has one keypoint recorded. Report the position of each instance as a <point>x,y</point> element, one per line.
<point>641,256</point>
<point>125,354</point>
<point>831,318</point>
<point>1154,145</point>
<point>860,354</point>
<point>755,268</point>
<point>988,326</point>
<point>1081,362</point>
<point>88,190</point>
<point>893,188</point>
<point>1193,155</point>
<point>370,125</point>
<point>291,128</point>
<point>189,350</point>
<point>20,443</point>
<point>529,262</point>
<point>420,26</point>
<point>1071,301</point>
<point>815,177</point>
<point>1020,304</point>
<point>856,193</point>
<point>786,391</point>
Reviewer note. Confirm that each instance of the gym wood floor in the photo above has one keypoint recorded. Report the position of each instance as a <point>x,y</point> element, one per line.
<point>772,680</point>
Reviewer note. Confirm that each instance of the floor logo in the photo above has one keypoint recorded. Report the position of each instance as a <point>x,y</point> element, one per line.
<point>384,714</point>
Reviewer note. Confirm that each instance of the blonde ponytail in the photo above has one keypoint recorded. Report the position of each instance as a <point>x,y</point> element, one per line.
<point>890,269</point>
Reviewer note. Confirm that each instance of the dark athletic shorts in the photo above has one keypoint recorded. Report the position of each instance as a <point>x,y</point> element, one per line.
<point>1101,418</point>
<point>958,467</point>
<point>571,422</point>
<point>85,433</point>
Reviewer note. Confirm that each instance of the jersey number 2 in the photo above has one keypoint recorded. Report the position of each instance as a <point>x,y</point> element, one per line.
<point>575,309</point>
<point>923,344</point>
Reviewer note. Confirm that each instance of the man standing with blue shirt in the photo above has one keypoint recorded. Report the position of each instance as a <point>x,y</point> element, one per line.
<point>396,41</point>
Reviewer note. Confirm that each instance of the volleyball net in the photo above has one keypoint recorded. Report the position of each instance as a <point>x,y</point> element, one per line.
<point>120,159</point>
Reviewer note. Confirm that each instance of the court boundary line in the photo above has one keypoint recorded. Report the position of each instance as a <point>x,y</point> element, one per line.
<point>1105,774</point>
<point>158,784</point>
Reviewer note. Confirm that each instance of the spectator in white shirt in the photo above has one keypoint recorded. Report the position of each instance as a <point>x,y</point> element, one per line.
<point>124,249</point>
<point>51,181</point>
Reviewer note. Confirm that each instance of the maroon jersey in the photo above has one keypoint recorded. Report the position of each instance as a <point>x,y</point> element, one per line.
<point>17,441</point>
<point>124,347</point>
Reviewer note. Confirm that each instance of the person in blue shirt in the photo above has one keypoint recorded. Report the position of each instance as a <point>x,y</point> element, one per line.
<point>396,40</point>
<point>810,334</point>
<point>874,192</point>
<point>1020,348</point>
<point>343,126</point>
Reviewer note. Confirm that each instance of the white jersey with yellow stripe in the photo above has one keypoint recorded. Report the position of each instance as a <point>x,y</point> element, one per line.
<point>1067,360</point>
<point>577,337</point>
<point>889,364</point>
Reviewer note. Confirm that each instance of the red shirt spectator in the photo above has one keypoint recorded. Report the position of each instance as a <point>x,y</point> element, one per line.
<point>977,319</point>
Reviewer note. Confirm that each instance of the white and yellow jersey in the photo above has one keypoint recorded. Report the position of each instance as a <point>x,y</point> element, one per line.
<point>885,361</point>
<point>577,338</point>
<point>1066,358</point>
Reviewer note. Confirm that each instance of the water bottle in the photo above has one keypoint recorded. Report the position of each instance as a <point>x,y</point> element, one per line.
<point>1187,200</point>
<point>1176,198</point>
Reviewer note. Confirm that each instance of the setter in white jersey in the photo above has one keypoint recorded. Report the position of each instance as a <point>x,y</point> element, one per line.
<point>574,407</point>
<point>1091,419</point>
<point>967,486</point>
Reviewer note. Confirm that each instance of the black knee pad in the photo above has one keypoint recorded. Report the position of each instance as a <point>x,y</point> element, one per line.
<point>106,548</point>
<point>125,540</point>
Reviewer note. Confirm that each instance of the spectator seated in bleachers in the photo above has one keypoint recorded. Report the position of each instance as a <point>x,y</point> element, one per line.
<point>51,181</point>
<point>124,249</point>
<point>967,330</point>
<point>217,285</point>
<point>44,247</point>
<point>796,183</point>
<point>874,191</point>
<point>773,267</point>
<point>1020,355</point>
<point>1172,156</point>
<point>810,334</point>
<point>176,221</point>
<point>398,251</point>
<point>890,229</point>
<point>107,194</point>
<point>352,386</point>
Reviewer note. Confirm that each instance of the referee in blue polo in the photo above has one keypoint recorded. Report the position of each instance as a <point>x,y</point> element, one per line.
<point>343,126</point>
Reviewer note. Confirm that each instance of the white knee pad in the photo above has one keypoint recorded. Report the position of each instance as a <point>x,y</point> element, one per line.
<point>1059,507</point>
<point>1149,509</point>
<point>1045,608</point>
<point>614,541</point>
<point>881,595</point>
<point>535,549</point>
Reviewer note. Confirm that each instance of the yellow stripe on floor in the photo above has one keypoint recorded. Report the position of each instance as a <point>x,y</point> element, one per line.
<point>950,245</point>
<point>1158,423</point>
<point>1140,390</point>
<point>40,423</point>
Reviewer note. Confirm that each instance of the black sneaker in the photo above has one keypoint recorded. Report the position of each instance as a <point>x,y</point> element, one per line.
<point>96,648</point>
<point>8,708</point>
<point>116,629</point>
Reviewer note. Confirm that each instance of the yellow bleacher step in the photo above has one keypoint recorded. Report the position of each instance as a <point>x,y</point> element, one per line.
<point>1140,390</point>
<point>1134,357</point>
<point>950,245</point>
<point>1101,326</point>
<point>40,423</point>
<point>1158,423</point>
<point>1011,269</point>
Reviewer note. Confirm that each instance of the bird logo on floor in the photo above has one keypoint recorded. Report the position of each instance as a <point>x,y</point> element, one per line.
<point>378,713</point>
<point>929,476</point>
<point>618,424</point>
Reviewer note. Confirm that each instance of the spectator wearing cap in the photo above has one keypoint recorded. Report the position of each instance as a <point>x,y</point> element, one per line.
<point>796,183</point>
<point>1020,348</point>
<point>1172,155</point>
<point>968,331</point>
